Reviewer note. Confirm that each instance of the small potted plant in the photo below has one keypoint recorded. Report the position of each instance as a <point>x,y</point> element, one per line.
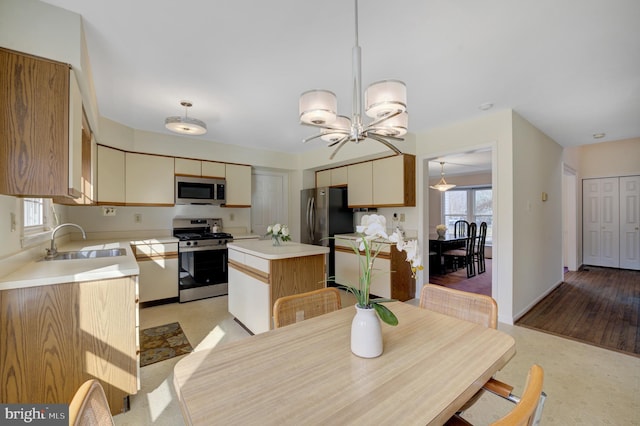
<point>278,233</point>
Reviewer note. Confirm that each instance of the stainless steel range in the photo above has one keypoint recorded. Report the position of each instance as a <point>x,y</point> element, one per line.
<point>202,254</point>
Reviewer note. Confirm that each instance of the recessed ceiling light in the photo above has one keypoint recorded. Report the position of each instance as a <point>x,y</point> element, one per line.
<point>599,135</point>
<point>485,106</point>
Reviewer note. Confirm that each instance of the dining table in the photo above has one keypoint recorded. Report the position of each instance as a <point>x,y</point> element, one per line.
<point>441,243</point>
<point>305,373</point>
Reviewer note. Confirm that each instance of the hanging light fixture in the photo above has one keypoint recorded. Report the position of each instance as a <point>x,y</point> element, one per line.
<point>185,125</point>
<point>442,185</point>
<point>385,102</point>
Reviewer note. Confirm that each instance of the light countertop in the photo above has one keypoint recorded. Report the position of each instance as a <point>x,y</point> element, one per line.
<point>266,250</point>
<point>48,272</point>
<point>148,241</point>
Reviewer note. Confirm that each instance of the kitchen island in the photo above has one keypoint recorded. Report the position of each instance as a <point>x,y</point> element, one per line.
<point>260,273</point>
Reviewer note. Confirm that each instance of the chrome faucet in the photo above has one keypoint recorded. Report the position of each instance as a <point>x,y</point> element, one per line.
<point>53,251</point>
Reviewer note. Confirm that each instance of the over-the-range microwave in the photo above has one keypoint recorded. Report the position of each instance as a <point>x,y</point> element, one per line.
<point>199,190</point>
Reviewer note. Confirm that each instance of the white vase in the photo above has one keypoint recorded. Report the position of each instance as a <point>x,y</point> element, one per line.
<point>441,232</point>
<point>366,333</point>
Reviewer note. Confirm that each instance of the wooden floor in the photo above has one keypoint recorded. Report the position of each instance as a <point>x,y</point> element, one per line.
<point>595,305</point>
<point>480,283</point>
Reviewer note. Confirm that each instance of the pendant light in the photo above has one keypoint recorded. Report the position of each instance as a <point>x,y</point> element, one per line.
<point>442,185</point>
<point>385,103</point>
<point>185,125</point>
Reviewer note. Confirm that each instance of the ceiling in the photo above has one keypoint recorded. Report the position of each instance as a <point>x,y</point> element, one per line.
<point>570,67</point>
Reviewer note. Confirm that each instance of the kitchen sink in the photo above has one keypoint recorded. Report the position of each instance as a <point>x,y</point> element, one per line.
<point>89,254</point>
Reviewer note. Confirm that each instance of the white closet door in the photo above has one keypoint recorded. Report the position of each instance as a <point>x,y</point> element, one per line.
<point>601,222</point>
<point>630,222</point>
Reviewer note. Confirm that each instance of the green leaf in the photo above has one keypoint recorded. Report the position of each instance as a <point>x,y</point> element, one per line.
<point>385,314</point>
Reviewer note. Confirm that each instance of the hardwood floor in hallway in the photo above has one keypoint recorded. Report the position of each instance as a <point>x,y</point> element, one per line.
<point>594,305</point>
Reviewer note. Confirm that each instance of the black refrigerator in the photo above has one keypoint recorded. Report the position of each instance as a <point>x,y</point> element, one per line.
<point>323,214</point>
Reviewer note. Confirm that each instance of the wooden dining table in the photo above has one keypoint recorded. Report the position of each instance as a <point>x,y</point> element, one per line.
<point>306,374</point>
<point>440,244</point>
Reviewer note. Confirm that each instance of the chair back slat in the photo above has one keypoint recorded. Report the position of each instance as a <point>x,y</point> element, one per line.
<point>477,308</point>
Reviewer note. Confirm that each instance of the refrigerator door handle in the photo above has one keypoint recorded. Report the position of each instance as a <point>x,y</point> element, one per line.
<point>312,219</point>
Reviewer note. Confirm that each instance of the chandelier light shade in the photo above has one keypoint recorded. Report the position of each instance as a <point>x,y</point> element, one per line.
<point>385,97</point>
<point>318,107</point>
<point>385,102</point>
<point>442,185</point>
<point>185,125</point>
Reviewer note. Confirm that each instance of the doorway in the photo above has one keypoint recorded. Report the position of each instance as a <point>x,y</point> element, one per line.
<point>269,200</point>
<point>570,219</point>
<point>472,172</point>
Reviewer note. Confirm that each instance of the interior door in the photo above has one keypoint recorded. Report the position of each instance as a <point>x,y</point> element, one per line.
<point>601,222</point>
<point>630,222</point>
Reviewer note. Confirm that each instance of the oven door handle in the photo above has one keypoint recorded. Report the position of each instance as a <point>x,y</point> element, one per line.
<point>203,248</point>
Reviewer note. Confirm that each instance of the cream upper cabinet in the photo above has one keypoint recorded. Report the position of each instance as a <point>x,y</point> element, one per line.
<point>339,176</point>
<point>110,175</point>
<point>149,179</point>
<point>188,167</point>
<point>394,181</point>
<point>323,178</point>
<point>213,169</point>
<point>360,184</point>
<point>238,178</point>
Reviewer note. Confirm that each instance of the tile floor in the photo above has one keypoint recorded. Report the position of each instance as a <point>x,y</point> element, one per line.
<point>585,385</point>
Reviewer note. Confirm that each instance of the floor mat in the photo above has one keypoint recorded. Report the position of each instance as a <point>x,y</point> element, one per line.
<point>162,343</point>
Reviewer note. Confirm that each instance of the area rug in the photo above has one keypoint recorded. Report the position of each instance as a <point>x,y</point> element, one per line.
<point>162,343</point>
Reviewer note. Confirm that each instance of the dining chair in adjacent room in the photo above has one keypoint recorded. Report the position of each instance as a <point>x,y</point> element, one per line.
<point>298,307</point>
<point>89,406</point>
<point>461,228</point>
<point>528,408</point>
<point>479,309</point>
<point>479,249</point>
<point>464,256</point>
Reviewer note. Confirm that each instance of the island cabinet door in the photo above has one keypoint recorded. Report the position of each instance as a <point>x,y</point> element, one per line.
<point>249,300</point>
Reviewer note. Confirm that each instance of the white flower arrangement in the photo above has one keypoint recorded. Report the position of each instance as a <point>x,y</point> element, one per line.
<point>279,231</point>
<point>441,227</point>
<point>373,227</point>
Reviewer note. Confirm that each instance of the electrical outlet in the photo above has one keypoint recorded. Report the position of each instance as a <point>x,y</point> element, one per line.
<point>231,217</point>
<point>108,211</point>
<point>401,217</point>
<point>137,218</point>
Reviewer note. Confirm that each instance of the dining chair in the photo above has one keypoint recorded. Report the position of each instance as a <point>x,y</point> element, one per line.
<point>479,309</point>
<point>298,307</point>
<point>89,406</point>
<point>528,408</point>
<point>461,228</point>
<point>464,256</point>
<point>479,249</point>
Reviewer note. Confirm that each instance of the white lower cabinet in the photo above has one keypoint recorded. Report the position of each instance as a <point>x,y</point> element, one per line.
<point>249,299</point>
<point>158,263</point>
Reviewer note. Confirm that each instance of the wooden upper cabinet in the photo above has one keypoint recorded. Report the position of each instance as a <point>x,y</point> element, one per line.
<point>110,176</point>
<point>360,185</point>
<point>34,126</point>
<point>213,169</point>
<point>323,178</point>
<point>188,167</point>
<point>394,181</point>
<point>149,179</point>
<point>238,178</point>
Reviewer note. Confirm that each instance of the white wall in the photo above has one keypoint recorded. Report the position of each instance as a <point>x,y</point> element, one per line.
<point>537,224</point>
<point>607,159</point>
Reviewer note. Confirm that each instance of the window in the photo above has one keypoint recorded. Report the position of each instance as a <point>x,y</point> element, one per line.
<point>35,220</point>
<point>470,204</point>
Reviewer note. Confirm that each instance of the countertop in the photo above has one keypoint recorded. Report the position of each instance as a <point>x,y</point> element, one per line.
<point>266,250</point>
<point>48,272</point>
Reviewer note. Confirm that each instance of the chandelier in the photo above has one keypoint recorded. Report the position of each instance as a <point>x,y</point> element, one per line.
<point>185,125</point>
<point>385,102</point>
<point>442,185</point>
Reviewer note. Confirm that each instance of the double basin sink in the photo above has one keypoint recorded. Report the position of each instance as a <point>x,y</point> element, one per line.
<point>88,254</point>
